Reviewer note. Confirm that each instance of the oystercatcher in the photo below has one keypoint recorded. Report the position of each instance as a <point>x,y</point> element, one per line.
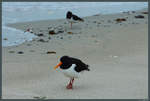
<point>71,67</point>
<point>72,18</point>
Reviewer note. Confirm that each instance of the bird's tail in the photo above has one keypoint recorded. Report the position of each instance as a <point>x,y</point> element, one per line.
<point>88,69</point>
<point>81,20</point>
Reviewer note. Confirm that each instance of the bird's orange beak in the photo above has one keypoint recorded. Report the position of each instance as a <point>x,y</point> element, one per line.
<point>58,65</point>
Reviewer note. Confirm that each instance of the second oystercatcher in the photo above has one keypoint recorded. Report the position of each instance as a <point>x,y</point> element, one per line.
<point>71,67</point>
<point>72,18</point>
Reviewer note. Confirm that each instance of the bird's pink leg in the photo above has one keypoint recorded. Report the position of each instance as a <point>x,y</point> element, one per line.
<point>69,86</point>
<point>72,80</point>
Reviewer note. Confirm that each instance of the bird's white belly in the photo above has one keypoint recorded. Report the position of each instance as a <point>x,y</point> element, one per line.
<point>71,21</point>
<point>70,72</point>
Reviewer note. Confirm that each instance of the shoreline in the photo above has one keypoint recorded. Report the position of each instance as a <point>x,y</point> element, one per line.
<point>117,53</point>
<point>29,23</point>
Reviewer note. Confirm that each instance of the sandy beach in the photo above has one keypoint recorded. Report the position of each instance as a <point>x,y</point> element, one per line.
<point>116,51</point>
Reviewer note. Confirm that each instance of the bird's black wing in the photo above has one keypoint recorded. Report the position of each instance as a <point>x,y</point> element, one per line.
<point>77,18</point>
<point>80,66</point>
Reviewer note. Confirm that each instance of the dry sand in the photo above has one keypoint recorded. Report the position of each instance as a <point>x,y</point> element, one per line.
<point>116,52</point>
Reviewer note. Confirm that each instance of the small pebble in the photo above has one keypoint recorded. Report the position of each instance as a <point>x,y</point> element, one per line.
<point>20,52</point>
<point>144,12</point>
<point>5,39</point>
<point>69,32</point>
<point>61,37</point>
<point>41,40</point>
<point>52,32</point>
<point>40,34</point>
<point>139,16</point>
<point>11,51</point>
<point>51,52</point>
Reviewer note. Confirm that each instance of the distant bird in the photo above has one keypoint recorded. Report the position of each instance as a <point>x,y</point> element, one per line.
<point>71,67</point>
<point>73,18</point>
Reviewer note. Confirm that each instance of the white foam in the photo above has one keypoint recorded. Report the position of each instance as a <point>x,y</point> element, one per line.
<point>14,36</point>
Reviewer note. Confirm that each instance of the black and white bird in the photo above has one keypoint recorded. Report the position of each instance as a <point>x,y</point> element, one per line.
<point>71,18</point>
<point>71,67</point>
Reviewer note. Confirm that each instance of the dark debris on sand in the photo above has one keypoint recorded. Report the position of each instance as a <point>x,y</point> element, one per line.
<point>144,12</point>
<point>40,34</point>
<point>69,32</point>
<point>139,16</point>
<point>55,30</point>
<point>42,40</point>
<point>5,39</point>
<point>61,37</point>
<point>51,52</point>
<point>51,32</point>
<point>39,98</point>
<point>97,15</point>
<point>120,20</point>
<point>20,52</point>
<point>94,21</point>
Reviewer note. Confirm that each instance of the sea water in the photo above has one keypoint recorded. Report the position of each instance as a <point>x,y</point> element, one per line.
<point>13,12</point>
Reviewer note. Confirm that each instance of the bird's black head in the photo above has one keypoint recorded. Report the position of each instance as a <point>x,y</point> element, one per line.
<point>69,12</point>
<point>65,59</point>
<point>69,15</point>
